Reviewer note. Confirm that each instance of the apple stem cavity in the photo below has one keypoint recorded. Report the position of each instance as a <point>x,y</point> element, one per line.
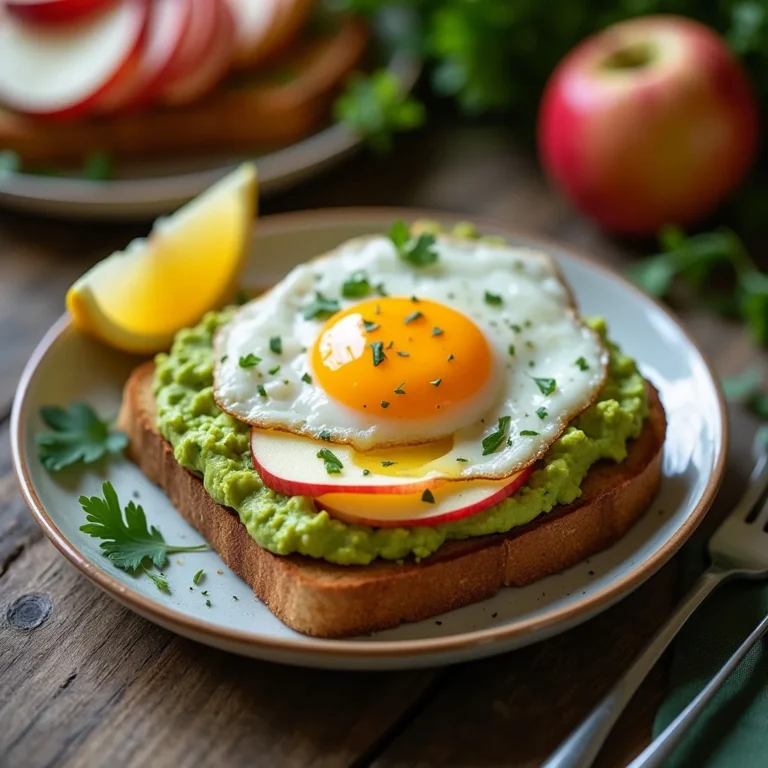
<point>638,55</point>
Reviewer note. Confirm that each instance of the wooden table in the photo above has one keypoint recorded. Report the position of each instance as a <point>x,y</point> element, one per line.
<point>95,684</point>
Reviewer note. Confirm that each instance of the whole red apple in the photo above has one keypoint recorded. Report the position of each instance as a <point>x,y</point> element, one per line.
<point>650,122</point>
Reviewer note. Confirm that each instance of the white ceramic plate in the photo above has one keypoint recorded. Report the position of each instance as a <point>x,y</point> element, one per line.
<point>68,366</point>
<point>147,189</point>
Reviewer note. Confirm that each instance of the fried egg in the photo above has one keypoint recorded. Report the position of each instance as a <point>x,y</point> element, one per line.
<point>478,360</point>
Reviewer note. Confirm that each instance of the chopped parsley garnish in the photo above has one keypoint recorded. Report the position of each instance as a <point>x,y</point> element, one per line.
<point>204,593</point>
<point>459,458</point>
<point>261,390</point>
<point>437,331</point>
<point>333,465</point>
<point>273,371</point>
<point>515,327</point>
<point>415,299</point>
<point>511,350</point>
<point>325,435</point>
<point>381,290</point>
<point>249,361</point>
<point>413,316</point>
<point>223,359</point>
<point>356,286</point>
<point>404,354</point>
<point>493,298</point>
<point>321,307</point>
<point>528,324</point>
<point>370,326</point>
<point>78,435</point>
<point>306,378</point>
<point>388,463</point>
<point>582,364</point>
<point>436,382</point>
<point>207,603</point>
<point>390,345</point>
<point>450,357</point>
<point>400,390</point>
<point>197,578</point>
<point>541,412</point>
<point>428,497</point>
<point>276,345</point>
<point>492,442</point>
<point>418,252</point>
<point>127,540</point>
<point>528,433</point>
<point>160,582</point>
<point>384,404</point>
<point>378,352</point>
<point>546,386</point>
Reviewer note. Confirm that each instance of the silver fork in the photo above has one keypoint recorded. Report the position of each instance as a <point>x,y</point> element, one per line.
<point>738,549</point>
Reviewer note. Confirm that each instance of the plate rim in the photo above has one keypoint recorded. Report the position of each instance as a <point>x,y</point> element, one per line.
<point>389,649</point>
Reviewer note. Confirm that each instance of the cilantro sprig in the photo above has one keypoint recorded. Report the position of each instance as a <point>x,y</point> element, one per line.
<point>129,542</point>
<point>321,307</point>
<point>417,251</point>
<point>492,442</point>
<point>78,436</point>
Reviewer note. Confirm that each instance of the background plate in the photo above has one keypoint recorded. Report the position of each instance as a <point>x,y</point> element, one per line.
<point>146,189</point>
<point>68,366</point>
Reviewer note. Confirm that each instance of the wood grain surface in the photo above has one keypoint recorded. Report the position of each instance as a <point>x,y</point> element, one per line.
<point>89,683</point>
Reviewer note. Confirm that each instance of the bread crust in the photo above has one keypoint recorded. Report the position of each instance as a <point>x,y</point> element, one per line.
<point>326,600</point>
<point>231,118</point>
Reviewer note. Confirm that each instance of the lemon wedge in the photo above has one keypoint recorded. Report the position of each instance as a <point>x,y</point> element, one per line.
<point>137,299</point>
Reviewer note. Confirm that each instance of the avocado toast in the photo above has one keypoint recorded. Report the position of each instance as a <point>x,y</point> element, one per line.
<point>326,575</point>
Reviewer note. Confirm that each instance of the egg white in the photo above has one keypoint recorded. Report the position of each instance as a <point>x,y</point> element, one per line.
<point>537,317</point>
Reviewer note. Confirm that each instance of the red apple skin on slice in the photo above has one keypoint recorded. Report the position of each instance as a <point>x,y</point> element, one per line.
<point>451,501</point>
<point>65,72</point>
<point>169,22</point>
<point>54,12</point>
<point>215,62</point>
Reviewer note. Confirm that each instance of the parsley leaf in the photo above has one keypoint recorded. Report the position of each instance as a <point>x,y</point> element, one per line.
<point>197,578</point>
<point>375,106</point>
<point>436,382</point>
<point>388,463</point>
<point>418,252</point>
<point>321,307</point>
<point>248,361</point>
<point>384,404</point>
<point>160,582</point>
<point>333,465</point>
<point>306,378</point>
<point>276,345</point>
<point>546,386</point>
<point>511,350</point>
<point>356,286</point>
<point>128,541</point>
<point>378,352</point>
<point>541,412</point>
<point>400,390</point>
<point>582,364</point>
<point>428,497</point>
<point>437,331</point>
<point>413,316</point>
<point>274,370</point>
<point>492,442</point>
<point>325,435</point>
<point>528,433</point>
<point>78,435</point>
<point>494,299</point>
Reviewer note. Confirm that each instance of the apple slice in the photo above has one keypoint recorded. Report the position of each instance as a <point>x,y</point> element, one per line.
<point>451,501</point>
<point>63,72</point>
<point>168,25</point>
<point>213,27</point>
<point>52,12</point>
<point>289,464</point>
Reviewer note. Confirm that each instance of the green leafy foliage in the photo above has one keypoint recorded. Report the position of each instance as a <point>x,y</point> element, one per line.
<point>78,435</point>
<point>375,106</point>
<point>417,251</point>
<point>127,539</point>
<point>492,442</point>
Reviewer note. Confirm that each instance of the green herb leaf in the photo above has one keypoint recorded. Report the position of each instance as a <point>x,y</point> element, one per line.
<point>356,286</point>
<point>78,436</point>
<point>198,577</point>
<point>418,252</point>
<point>388,463</point>
<point>126,542</point>
<point>541,412</point>
<point>159,581</point>
<point>370,326</point>
<point>381,290</point>
<point>462,460</point>
<point>494,299</point>
<point>384,404</point>
<point>260,389</point>
<point>492,442</point>
<point>378,352</point>
<point>325,435</point>
<point>333,465</point>
<point>413,316</point>
<point>377,105</point>
<point>437,331</point>
<point>428,497</point>
<point>321,307</point>
<point>306,378</point>
<point>274,370</point>
<point>528,433</point>
<point>400,390</point>
<point>582,364</point>
<point>249,361</point>
<point>449,358</point>
<point>436,382</point>
<point>276,345</point>
<point>403,354</point>
<point>546,386</point>
<point>511,350</point>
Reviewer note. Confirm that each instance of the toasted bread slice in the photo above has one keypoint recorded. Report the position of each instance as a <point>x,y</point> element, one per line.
<point>318,598</point>
<point>240,115</point>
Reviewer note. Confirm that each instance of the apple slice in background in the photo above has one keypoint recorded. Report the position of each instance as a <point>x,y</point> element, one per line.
<point>54,12</point>
<point>169,22</point>
<point>451,501</point>
<point>213,27</point>
<point>64,71</point>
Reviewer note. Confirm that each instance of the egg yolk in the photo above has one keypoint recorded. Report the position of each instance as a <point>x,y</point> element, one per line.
<point>401,358</point>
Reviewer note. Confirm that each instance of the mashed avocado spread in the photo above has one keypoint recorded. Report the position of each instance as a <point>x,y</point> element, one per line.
<point>216,447</point>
